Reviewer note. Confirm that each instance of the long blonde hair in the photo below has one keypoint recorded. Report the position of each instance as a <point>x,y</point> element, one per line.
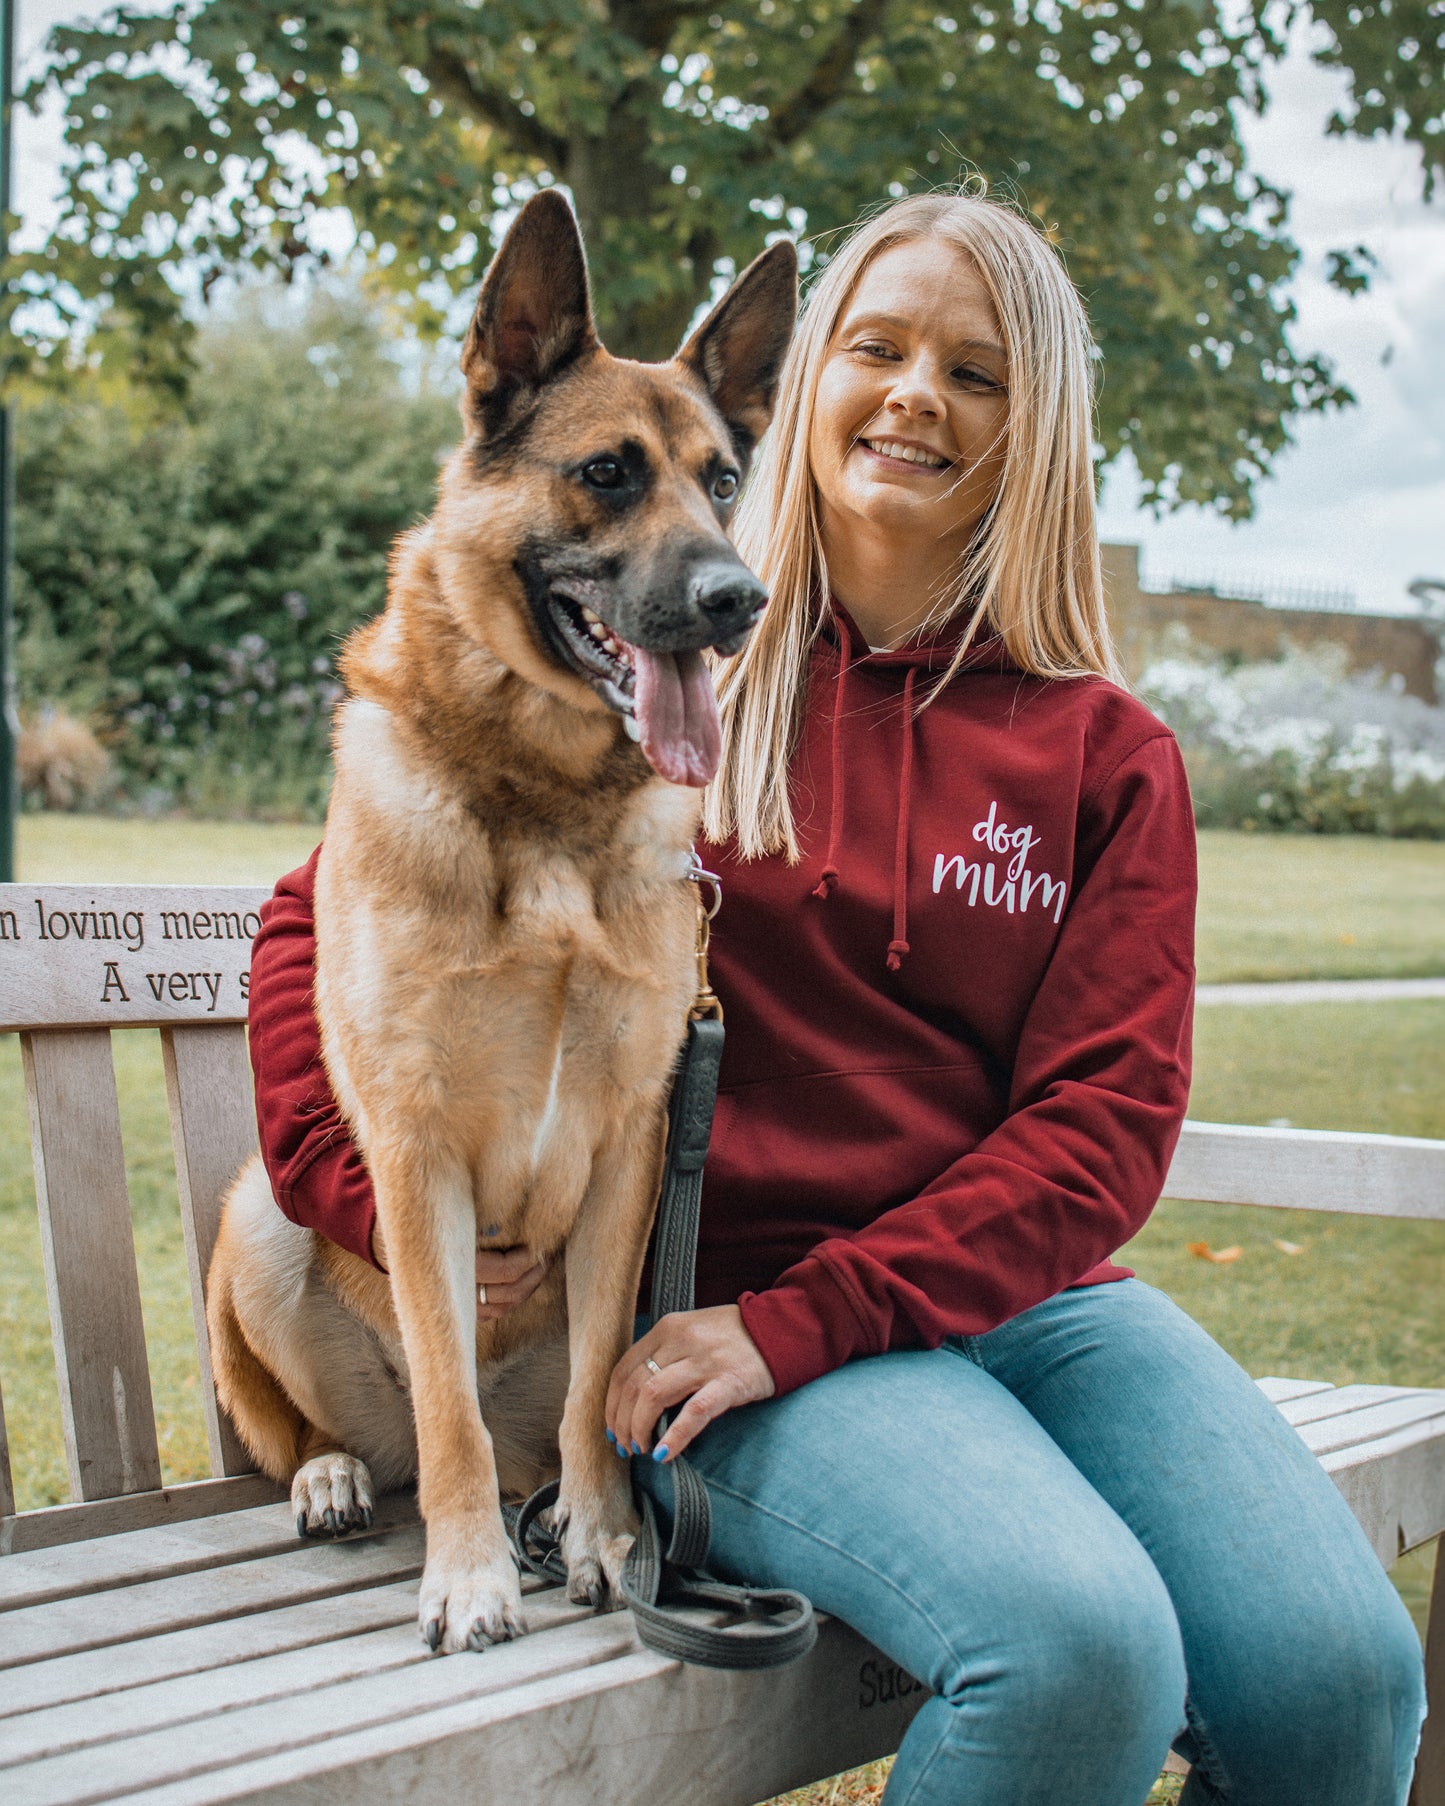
<point>1031,574</point>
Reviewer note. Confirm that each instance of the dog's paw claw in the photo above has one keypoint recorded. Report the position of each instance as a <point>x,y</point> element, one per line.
<point>471,1608</point>
<point>586,1583</point>
<point>331,1496</point>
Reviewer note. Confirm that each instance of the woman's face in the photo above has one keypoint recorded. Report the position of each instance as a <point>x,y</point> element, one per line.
<point>907,440</point>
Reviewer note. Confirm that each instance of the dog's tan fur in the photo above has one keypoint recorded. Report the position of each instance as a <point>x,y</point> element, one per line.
<point>504,943</point>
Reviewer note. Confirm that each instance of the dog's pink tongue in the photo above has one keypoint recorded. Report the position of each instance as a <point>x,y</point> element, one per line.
<point>677,715</point>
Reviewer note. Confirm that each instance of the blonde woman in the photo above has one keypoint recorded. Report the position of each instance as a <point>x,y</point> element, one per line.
<point>956,958</point>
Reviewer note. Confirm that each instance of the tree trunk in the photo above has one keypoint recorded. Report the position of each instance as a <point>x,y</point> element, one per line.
<point>612,178</point>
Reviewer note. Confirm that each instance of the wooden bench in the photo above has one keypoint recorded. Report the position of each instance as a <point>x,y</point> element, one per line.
<point>180,1643</point>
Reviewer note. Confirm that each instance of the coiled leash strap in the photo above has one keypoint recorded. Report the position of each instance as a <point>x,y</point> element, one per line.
<point>776,1625</point>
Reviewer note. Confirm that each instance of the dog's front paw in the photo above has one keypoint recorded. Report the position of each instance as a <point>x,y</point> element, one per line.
<point>469,1605</point>
<point>331,1494</point>
<point>595,1550</point>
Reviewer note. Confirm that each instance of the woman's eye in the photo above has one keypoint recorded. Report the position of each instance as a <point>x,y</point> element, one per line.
<point>604,473</point>
<point>871,348</point>
<point>979,379</point>
<point>726,486</point>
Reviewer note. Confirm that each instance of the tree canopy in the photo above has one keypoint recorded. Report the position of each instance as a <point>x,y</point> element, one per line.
<point>220,136</point>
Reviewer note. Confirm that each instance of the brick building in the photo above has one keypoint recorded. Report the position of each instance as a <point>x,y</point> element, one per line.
<point>1250,631</point>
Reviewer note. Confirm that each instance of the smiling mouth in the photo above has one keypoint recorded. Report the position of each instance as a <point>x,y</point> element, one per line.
<point>895,450</point>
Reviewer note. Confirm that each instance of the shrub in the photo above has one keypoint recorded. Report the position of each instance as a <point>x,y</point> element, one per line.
<point>1296,744</point>
<point>183,578</point>
<point>59,764</point>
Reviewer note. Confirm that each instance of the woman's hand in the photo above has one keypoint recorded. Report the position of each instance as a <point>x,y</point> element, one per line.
<point>705,1357</point>
<point>506,1277</point>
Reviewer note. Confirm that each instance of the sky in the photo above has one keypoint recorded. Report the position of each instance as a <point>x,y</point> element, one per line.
<point>1357,505</point>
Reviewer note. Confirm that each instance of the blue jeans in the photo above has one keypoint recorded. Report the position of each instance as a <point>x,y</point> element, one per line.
<point>1091,1537</point>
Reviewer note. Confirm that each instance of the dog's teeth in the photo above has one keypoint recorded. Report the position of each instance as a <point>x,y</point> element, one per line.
<point>589,615</point>
<point>630,727</point>
<point>597,630</point>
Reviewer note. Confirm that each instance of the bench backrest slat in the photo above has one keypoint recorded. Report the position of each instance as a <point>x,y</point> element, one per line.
<point>7,1487</point>
<point>90,1270</point>
<point>1309,1169</point>
<point>125,955</point>
<point>213,1131</point>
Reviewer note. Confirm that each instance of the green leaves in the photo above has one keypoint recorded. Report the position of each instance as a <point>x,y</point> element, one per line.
<point>185,575</point>
<point>234,135</point>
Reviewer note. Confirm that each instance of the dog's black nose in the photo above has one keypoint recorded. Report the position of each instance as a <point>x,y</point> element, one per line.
<point>726,591</point>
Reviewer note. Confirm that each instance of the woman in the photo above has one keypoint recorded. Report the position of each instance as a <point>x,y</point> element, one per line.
<point>956,957</point>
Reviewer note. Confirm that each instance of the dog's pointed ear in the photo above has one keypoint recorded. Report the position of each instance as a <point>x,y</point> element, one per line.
<point>534,314</point>
<point>738,350</point>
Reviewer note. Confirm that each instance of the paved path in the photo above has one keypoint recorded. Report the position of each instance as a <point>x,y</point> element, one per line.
<point>1323,990</point>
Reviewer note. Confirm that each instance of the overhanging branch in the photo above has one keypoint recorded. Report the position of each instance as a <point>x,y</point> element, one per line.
<point>452,79</point>
<point>829,77</point>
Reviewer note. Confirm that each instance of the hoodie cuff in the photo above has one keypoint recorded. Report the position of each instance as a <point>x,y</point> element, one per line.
<point>804,1326</point>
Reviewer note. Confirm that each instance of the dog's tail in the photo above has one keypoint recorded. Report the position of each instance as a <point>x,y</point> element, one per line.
<point>266,1420</point>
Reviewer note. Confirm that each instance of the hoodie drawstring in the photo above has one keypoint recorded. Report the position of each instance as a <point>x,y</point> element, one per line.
<point>835,810</point>
<point>898,946</point>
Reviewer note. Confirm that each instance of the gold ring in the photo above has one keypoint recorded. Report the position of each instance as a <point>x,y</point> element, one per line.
<point>652,1365</point>
<point>481,1294</point>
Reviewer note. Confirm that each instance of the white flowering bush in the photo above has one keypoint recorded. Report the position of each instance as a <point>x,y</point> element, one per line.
<point>1299,743</point>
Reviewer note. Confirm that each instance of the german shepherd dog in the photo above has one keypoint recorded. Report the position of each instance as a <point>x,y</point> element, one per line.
<point>505,937</point>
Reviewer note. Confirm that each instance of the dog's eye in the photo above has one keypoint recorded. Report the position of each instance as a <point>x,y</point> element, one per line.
<point>604,473</point>
<point>726,486</point>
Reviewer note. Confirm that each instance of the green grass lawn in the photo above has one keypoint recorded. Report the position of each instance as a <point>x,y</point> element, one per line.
<point>1319,906</point>
<point>1360,1302</point>
<point>100,849</point>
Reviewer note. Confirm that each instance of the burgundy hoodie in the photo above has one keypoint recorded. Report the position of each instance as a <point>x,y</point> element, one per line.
<point>957,1050</point>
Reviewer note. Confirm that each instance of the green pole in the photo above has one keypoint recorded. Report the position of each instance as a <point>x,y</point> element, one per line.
<point>9,722</point>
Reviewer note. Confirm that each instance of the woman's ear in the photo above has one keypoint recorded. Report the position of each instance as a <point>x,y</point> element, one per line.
<point>533,316</point>
<point>738,350</point>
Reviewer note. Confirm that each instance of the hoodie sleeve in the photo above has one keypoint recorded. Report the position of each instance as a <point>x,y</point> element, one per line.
<point>315,1168</point>
<point>1097,1097</point>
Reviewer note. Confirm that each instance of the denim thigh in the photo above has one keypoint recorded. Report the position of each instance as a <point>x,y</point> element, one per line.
<point>913,1497</point>
<point>1305,1674</point>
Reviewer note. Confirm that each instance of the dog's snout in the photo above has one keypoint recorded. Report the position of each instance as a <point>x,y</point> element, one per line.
<point>727,591</point>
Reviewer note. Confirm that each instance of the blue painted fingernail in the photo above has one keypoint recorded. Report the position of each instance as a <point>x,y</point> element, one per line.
<point>622,1453</point>
<point>637,1448</point>
<point>606,1432</point>
<point>660,1452</point>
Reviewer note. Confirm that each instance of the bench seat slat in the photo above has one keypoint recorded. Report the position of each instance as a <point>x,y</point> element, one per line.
<point>1279,1391</point>
<point>90,1271</point>
<point>93,1674</point>
<point>1342,1401</point>
<point>639,1728</point>
<point>153,1607</point>
<point>286,1675</point>
<point>403,1689</point>
<point>116,1561</point>
<point>53,1526</point>
<point>1333,1434</point>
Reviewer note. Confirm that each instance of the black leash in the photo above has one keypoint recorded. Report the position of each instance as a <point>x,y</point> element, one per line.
<point>772,1625</point>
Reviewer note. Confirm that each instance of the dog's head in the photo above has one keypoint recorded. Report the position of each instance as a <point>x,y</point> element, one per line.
<point>583,526</point>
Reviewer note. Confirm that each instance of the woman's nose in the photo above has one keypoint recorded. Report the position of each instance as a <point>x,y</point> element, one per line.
<point>915,393</point>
